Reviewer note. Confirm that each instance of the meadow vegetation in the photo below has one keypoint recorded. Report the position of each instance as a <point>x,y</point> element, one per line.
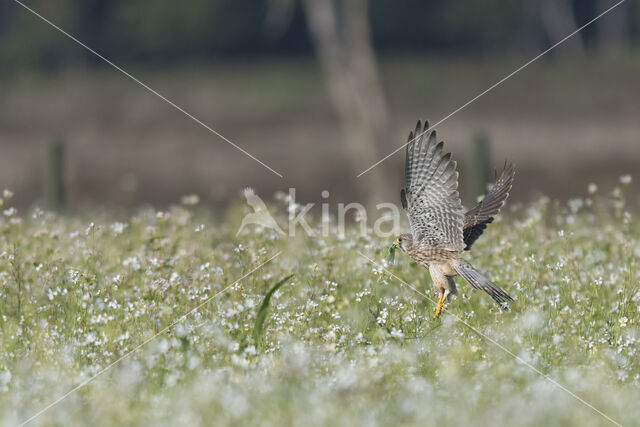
<point>343,341</point>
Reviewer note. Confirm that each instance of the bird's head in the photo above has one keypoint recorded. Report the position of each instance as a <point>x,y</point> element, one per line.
<point>404,242</point>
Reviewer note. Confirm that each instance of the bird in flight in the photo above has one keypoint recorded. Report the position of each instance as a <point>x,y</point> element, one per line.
<point>440,229</point>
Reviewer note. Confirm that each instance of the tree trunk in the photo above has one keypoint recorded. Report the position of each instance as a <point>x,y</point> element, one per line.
<point>341,35</point>
<point>530,30</point>
<point>613,28</point>
<point>278,19</point>
<point>558,22</point>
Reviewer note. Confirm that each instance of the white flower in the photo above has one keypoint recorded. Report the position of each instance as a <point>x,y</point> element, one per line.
<point>190,200</point>
<point>593,188</point>
<point>626,179</point>
<point>623,321</point>
<point>117,228</point>
<point>5,378</point>
<point>174,277</point>
<point>239,361</point>
<point>90,338</point>
<point>133,262</point>
<point>74,276</point>
<point>90,228</point>
<point>575,205</point>
<point>382,319</point>
<point>181,330</point>
<point>7,194</point>
<point>396,333</point>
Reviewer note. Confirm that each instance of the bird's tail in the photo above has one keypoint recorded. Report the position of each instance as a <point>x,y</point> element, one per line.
<point>478,281</point>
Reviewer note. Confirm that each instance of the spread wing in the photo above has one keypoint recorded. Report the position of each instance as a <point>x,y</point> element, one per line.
<point>477,219</point>
<point>431,193</point>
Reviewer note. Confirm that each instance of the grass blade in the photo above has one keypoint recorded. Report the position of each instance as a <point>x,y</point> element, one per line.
<point>258,329</point>
<point>391,254</point>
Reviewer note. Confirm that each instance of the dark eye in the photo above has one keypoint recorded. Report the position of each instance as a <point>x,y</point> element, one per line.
<point>400,239</point>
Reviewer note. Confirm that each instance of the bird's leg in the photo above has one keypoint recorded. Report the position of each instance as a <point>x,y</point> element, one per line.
<point>443,298</point>
<point>440,306</point>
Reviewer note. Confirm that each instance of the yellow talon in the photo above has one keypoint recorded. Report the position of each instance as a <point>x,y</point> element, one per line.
<point>439,307</point>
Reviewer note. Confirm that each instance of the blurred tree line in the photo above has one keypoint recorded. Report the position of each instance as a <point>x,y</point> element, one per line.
<point>165,31</point>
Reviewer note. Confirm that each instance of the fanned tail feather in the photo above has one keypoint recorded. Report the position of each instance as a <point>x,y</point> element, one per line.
<point>478,281</point>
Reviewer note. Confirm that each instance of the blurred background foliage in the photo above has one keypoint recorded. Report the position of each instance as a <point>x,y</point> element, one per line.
<point>163,31</point>
<point>317,89</point>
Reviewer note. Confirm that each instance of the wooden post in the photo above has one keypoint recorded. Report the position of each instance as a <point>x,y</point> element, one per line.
<point>480,170</point>
<point>53,177</point>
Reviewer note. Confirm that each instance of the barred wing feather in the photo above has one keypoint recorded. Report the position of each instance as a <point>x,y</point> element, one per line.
<point>481,215</point>
<point>431,193</point>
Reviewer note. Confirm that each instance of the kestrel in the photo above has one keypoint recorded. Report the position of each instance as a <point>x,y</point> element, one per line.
<point>440,230</point>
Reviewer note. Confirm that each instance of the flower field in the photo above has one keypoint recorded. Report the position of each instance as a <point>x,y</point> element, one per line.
<point>151,319</point>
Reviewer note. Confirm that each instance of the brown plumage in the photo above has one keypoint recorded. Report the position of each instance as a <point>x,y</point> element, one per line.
<point>440,230</point>
<point>481,215</point>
